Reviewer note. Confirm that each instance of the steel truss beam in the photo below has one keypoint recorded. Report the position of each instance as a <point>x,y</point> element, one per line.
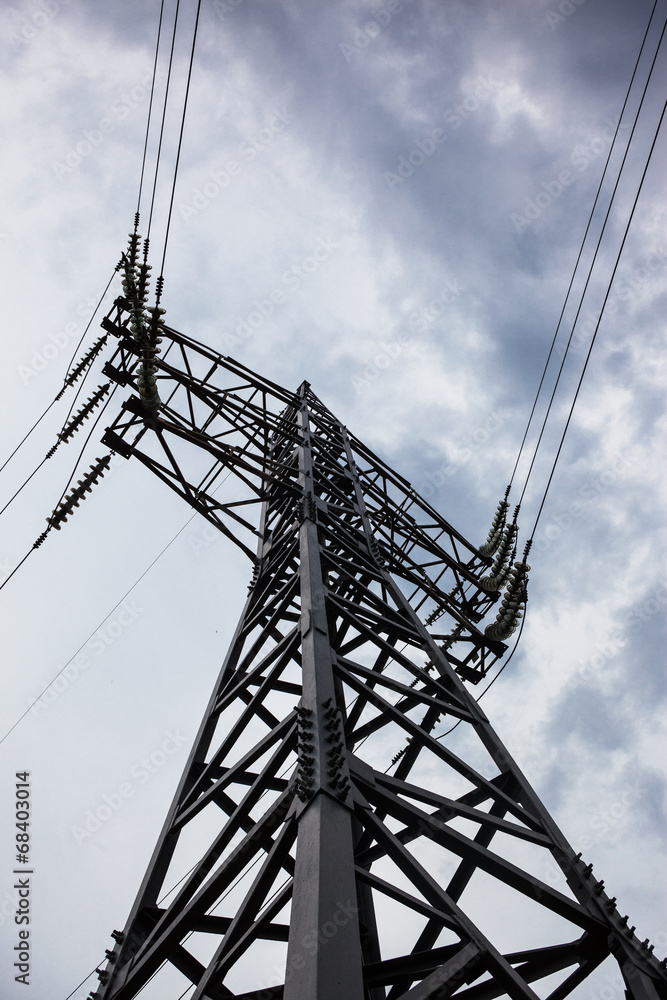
<point>292,864</point>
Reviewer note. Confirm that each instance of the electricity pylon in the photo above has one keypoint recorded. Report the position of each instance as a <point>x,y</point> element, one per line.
<point>348,825</point>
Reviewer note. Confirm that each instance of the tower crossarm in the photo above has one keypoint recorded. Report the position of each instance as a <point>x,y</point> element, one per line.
<point>226,439</point>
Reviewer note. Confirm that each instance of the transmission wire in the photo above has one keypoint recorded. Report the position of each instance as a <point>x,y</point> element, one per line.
<point>165,896</point>
<point>581,248</point>
<point>164,113</point>
<point>39,419</point>
<point>85,443</point>
<point>34,473</point>
<point>65,379</point>
<point>143,165</point>
<point>506,663</point>
<point>70,995</point>
<point>189,935</point>
<point>180,138</point>
<point>597,326</point>
<point>119,602</point>
<point>150,107</point>
<point>609,286</point>
<point>17,567</point>
<point>34,546</point>
<point>243,875</point>
<point>592,265</point>
<point>78,346</point>
<point>97,627</point>
<point>58,440</point>
<point>76,465</point>
<point>494,679</point>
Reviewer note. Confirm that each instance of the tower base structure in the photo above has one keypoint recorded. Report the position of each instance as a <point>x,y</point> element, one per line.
<point>348,826</point>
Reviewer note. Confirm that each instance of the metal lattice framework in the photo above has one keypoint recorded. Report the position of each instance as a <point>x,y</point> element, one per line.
<point>292,864</point>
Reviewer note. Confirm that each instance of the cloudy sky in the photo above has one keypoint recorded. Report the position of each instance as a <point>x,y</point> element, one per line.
<point>443,159</point>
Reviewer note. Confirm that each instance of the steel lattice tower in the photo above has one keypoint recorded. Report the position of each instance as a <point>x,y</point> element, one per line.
<point>312,872</point>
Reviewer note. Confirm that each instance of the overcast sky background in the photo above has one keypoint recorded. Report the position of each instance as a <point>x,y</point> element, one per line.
<point>425,330</point>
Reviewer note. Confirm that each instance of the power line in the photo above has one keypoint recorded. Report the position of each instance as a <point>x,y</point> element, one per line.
<point>23,485</point>
<point>180,137</point>
<point>597,325</point>
<point>52,403</point>
<point>97,627</point>
<point>581,249</point>
<point>164,113</point>
<point>150,107</point>
<point>118,603</point>
<point>88,324</point>
<point>42,537</point>
<point>173,189</point>
<point>52,450</point>
<point>482,693</point>
<point>15,570</point>
<point>592,265</point>
<point>24,439</point>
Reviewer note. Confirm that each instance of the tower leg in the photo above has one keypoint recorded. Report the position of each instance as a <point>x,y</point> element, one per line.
<point>324,951</point>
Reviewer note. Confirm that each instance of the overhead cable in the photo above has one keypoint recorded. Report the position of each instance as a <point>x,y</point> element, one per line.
<point>164,113</point>
<point>597,325</point>
<point>592,265</point>
<point>150,107</point>
<point>65,382</point>
<point>581,248</point>
<point>180,137</point>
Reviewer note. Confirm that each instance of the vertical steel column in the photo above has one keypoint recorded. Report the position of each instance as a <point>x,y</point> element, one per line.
<point>324,951</point>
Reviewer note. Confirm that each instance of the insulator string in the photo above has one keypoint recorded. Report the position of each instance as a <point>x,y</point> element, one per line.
<point>76,465</point>
<point>39,420</point>
<point>85,444</point>
<point>88,324</point>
